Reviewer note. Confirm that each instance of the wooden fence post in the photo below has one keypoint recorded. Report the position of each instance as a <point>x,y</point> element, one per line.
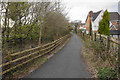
<point>83,34</point>
<point>108,43</point>
<point>118,36</point>
<point>94,36</point>
<point>100,37</point>
<point>10,64</point>
<point>91,36</point>
<point>118,61</point>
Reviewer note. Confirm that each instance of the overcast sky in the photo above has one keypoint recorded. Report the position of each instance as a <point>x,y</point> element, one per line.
<point>78,9</point>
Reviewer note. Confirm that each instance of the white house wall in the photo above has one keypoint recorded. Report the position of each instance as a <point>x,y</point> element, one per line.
<point>96,21</point>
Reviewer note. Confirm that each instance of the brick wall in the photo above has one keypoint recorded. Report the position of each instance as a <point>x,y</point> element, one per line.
<point>114,23</point>
<point>87,24</point>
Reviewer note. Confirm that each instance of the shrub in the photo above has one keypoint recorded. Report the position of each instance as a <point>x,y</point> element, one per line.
<point>104,24</point>
<point>107,73</point>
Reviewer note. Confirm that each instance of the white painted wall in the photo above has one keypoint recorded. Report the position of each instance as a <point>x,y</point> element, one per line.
<point>95,23</point>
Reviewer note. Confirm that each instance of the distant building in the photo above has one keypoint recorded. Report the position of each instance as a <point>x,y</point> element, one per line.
<point>82,27</point>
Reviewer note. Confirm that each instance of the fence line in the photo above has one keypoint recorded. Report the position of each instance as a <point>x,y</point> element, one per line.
<point>112,46</point>
<point>18,59</point>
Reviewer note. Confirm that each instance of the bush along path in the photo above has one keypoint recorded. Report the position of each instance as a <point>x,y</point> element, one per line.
<point>66,63</point>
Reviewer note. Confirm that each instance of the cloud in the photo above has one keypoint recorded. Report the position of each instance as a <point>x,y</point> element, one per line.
<point>80,8</point>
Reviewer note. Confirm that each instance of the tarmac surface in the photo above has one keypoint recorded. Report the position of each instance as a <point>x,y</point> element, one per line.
<point>66,63</point>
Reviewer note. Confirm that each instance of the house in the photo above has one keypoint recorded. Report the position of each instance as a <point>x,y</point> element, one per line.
<point>114,20</point>
<point>95,18</point>
<point>115,24</point>
<point>82,26</point>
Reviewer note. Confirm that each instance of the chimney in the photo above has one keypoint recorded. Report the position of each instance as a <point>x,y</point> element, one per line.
<point>91,14</point>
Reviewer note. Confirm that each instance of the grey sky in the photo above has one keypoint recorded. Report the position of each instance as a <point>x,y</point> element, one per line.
<point>80,8</point>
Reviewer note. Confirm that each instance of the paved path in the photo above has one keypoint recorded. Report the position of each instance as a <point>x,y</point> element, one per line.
<point>66,63</point>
